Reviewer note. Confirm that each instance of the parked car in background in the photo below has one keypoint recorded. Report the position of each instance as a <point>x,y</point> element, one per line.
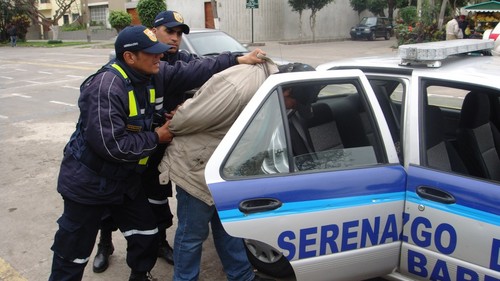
<point>395,174</point>
<point>205,42</point>
<point>372,28</point>
<point>210,42</point>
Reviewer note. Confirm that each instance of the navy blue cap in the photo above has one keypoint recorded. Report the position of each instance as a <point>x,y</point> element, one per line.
<point>139,38</point>
<point>171,19</point>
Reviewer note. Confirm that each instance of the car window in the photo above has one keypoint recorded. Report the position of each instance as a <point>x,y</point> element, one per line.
<point>390,95</point>
<point>213,43</point>
<point>459,130</point>
<point>448,97</point>
<point>339,134</point>
<point>262,149</point>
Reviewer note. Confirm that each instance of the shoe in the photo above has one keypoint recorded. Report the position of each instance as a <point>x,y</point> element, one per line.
<point>140,276</point>
<point>258,278</point>
<point>166,252</point>
<point>101,260</point>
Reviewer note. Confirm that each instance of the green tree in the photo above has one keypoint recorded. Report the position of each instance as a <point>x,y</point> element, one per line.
<point>315,6</point>
<point>359,5</point>
<point>412,29</point>
<point>22,22</point>
<point>63,7</point>
<point>377,7</point>
<point>148,9</point>
<point>298,6</point>
<point>119,20</point>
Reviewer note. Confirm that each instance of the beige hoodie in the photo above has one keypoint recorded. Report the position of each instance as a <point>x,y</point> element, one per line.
<point>202,121</point>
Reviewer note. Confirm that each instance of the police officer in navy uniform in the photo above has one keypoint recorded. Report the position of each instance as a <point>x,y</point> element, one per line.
<point>168,27</point>
<point>114,138</point>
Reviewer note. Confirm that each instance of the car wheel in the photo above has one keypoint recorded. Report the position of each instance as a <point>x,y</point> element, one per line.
<point>372,36</point>
<point>353,38</point>
<point>387,35</point>
<point>267,260</point>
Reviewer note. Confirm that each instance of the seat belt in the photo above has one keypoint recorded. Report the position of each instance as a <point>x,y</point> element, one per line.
<point>300,129</point>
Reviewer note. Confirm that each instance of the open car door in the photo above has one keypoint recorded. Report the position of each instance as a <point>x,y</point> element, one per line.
<point>320,196</point>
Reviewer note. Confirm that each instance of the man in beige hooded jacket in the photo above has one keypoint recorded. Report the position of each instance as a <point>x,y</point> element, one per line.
<point>199,125</point>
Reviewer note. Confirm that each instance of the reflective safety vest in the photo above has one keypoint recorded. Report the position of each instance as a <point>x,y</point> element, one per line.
<point>139,119</point>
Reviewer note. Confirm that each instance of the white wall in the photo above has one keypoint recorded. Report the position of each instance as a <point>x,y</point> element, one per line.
<point>272,21</point>
<point>192,11</point>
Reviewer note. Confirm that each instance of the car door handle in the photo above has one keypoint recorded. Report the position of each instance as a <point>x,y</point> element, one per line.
<point>259,205</point>
<point>435,194</point>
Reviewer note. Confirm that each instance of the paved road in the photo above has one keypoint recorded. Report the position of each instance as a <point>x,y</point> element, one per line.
<point>38,97</point>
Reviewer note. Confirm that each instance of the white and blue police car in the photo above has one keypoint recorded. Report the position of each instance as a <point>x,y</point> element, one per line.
<point>395,172</point>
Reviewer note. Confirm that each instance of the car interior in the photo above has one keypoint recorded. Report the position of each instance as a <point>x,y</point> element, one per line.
<point>459,138</point>
<point>458,134</point>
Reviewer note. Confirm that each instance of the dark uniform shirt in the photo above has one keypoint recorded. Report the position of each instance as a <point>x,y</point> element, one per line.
<point>104,109</point>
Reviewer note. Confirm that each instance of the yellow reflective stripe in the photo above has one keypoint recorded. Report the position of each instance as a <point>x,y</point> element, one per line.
<point>117,67</point>
<point>133,109</point>
<point>152,96</point>
<point>143,161</point>
<point>132,104</point>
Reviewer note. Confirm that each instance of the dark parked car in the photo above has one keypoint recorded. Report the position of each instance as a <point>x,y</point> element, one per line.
<point>206,42</point>
<point>211,42</point>
<point>371,28</point>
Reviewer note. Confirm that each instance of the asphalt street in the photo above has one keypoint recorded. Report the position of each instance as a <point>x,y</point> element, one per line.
<point>39,89</point>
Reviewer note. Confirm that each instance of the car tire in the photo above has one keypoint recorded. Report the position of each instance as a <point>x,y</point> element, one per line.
<point>353,38</point>
<point>372,36</point>
<point>387,35</point>
<point>267,260</point>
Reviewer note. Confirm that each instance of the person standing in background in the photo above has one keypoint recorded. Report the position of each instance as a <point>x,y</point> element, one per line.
<point>453,30</point>
<point>12,32</point>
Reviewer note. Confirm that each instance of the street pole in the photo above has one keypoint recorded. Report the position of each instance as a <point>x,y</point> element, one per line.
<point>86,18</point>
<point>252,25</point>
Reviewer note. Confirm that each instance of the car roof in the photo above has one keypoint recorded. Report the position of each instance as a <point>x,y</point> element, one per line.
<point>204,30</point>
<point>459,66</point>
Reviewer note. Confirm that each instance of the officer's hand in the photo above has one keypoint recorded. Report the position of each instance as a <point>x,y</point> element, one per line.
<point>172,113</point>
<point>251,58</point>
<point>164,134</point>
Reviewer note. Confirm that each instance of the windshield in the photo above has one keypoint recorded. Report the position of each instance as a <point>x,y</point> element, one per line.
<point>213,43</point>
<point>368,21</point>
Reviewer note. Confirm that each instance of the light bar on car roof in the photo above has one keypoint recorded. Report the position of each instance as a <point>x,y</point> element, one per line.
<point>432,53</point>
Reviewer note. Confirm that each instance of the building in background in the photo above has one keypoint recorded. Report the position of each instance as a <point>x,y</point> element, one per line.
<point>270,21</point>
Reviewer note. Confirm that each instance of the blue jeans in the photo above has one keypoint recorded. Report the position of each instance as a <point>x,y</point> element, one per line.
<point>13,41</point>
<point>192,229</point>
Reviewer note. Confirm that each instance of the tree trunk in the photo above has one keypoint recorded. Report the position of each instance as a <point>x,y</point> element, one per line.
<point>55,31</point>
<point>441,14</point>
<point>300,24</point>
<point>390,10</point>
<point>312,24</point>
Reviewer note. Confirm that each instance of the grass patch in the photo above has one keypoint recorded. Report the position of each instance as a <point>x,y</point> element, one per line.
<point>49,44</point>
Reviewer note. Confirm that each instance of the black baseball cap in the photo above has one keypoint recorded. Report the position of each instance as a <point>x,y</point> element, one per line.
<point>139,38</point>
<point>171,19</point>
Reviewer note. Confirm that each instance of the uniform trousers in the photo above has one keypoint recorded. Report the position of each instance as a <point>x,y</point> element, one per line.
<point>157,195</point>
<point>78,227</point>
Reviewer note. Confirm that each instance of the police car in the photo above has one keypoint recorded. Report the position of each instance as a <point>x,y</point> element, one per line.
<point>396,173</point>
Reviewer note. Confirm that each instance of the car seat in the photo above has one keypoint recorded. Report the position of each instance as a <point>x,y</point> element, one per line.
<point>476,137</point>
<point>441,154</point>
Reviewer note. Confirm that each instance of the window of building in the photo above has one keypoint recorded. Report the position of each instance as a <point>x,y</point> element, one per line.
<point>98,14</point>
